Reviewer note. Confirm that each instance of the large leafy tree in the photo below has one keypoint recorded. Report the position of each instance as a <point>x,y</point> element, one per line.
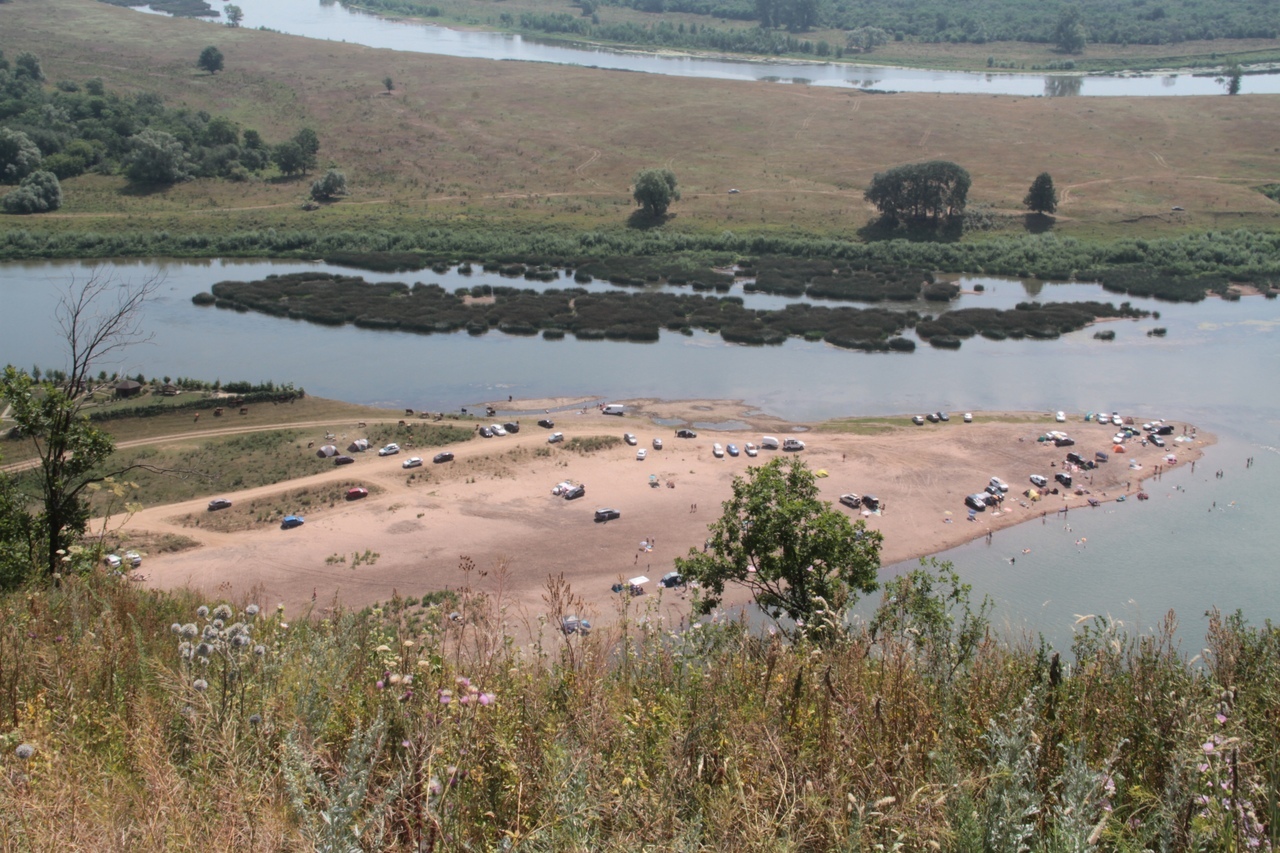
<point>1042,197</point>
<point>97,319</point>
<point>655,190</point>
<point>19,156</point>
<point>210,60</point>
<point>1069,34</point>
<point>929,190</point>
<point>39,192</point>
<point>156,157</point>
<point>800,557</point>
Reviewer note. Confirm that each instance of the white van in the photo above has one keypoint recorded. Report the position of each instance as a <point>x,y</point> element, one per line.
<point>768,442</point>
<point>614,409</point>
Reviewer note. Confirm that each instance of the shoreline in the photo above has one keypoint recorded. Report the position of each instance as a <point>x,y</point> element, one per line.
<point>493,504</point>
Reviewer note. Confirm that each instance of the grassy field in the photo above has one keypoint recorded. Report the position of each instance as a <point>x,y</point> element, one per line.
<point>492,145</point>
<point>247,515</point>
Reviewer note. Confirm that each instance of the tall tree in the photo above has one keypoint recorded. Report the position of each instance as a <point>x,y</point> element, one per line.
<point>210,60</point>
<point>19,156</point>
<point>800,557</point>
<point>1069,34</point>
<point>234,14</point>
<point>1042,197</point>
<point>929,190</point>
<point>156,157</point>
<point>97,320</point>
<point>333,183</point>
<point>309,144</point>
<point>655,190</point>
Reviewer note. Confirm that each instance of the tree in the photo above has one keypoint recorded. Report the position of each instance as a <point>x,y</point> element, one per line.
<point>28,65</point>
<point>210,60</point>
<point>799,557</point>
<point>389,83</point>
<point>655,190</point>
<point>920,190</point>
<point>234,15</point>
<point>19,156</point>
<point>332,184</point>
<point>39,192</point>
<point>289,158</point>
<point>156,157</point>
<point>97,320</point>
<point>1233,74</point>
<point>1042,197</point>
<point>866,39</point>
<point>1069,34</point>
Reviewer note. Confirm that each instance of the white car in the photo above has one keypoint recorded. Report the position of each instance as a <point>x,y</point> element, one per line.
<point>629,438</point>
<point>497,429</point>
<point>751,450</point>
<point>717,450</point>
<point>133,558</point>
<point>641,454</point>
<point>1039,480</point>
<point>112,561</point>
<point>412,462</point>
<point>1060,417</point>
<point>851,500</point>
<point>968,417</point>
<point>657,444</point>
<point>793,444</point>
<point>1116,419</point>
<point>1000,484</point>
<point>555,438</point>
<point>389,450</point>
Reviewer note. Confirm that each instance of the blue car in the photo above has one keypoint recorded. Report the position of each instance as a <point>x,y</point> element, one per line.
<point>291,521</point>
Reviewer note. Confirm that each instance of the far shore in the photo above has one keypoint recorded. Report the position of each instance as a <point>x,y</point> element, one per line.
<point>493,504</point>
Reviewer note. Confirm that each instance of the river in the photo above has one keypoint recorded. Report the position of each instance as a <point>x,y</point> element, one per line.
<point>1200,542</point>
<point>333,22</point>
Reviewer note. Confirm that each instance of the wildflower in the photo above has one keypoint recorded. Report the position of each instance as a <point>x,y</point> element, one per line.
<point>1208,747</point>
<point>408,679</point>
<point>284,625</point>
<point>189,630</point>
<point>260,651</point>
<point>204,650</point>
<point>210,632</point>
<point>175,628</point>
<point>255,719</point>
<point>280,607</point>
<point>219,624</point>
<point>383,648</point>
<point>222,611</point>
<point>200,684</point>
<point>185,651</point>
<point>396,679</point>
<point>406,743</point>
<point>434,788</point>
<point>487,698</point>
<point>1221,718</point>
<point>406,696</point>
<point>462,681</point>
<point>25,751</point>
<point>240,640</point>
<point>408,644</point>
<point>251,611</point>
<point>202,611</point>
<point>380,684</point>
<point>446,696</point>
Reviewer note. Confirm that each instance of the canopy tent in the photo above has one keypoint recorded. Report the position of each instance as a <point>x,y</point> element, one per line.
<point>638,580</point>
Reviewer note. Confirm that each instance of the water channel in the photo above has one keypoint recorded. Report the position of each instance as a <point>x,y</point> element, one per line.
<point>331,21</point>
<point>1200,541</point>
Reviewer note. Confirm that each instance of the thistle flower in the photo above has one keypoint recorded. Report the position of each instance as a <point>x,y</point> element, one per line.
<point>260,651</point>
<point>175,628</point>
<point>219,624</point>
<point>240,640</point>
<point>446,696</point>
<point>210,632</point>
<point>255,719</point>
<point>251,611</point>
<point>202,611</point>
<point>434,788</point>
<point>200,684</point>
<point>487,698</point>
<point>204,650</point>
<point>25,751</point>
<point>190,630</point>
<point>463,681</point>
<point>222,611</point>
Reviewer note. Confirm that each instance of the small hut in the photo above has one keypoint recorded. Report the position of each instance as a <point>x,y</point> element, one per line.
<point>128,388</point>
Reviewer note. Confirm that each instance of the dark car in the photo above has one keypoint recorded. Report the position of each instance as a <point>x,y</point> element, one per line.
<point>932,417</point>
<point>686,433</point>
<point>1064,442</point>
<point>446,456</point>
<point>575,493</point>
<point>546,423</point>
<point>1156,440</point>
<point>485,432</point>
<point>1164,429</point>
<point>871,502</point>
<point>511,427</point>
<point>1064,478</point>
<point>943,416</point>
<point>978,502</point>
<point>1075,458</point>
<point>607,514</point>
<point>343,460</point>
<point>671,580</point>
<point>219,503</point>
<point>291,521</point>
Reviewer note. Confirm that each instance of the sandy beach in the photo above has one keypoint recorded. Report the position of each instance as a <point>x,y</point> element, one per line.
<point>494,503</point>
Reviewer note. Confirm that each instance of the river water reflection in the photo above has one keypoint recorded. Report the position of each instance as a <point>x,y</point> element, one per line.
<point>334,22</point>
<point>1216,368</point>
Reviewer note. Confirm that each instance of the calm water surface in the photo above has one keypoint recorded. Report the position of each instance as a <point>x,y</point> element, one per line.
<point>331,21</point>
<point>1217,367</point>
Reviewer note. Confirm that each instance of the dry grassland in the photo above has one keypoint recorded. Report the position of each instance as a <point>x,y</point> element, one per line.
<point>531,145</point>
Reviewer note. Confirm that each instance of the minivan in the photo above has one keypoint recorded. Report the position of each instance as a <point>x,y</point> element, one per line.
<point>614,409</point>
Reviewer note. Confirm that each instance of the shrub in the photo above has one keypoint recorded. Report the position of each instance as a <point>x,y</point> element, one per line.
<point>39,192</point>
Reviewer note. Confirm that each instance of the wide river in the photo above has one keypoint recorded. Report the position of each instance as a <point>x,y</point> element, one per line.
<point>1200,542</point>
<point>324,19</point>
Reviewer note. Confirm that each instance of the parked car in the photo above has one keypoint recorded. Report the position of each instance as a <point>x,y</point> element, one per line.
<point>751,450</point>
<point>485,432</point>
<point>793,444</point>
<point>978,502</point>
<point>657,444</point>
<point>1157,440</point>
<point>442,456</point>
<point>671,580</point>
<point>932,417</point>
<point>607,514</point>
<point>1164,429</point>
<point>992,489</point>
<point>717,450</point>
<point>641,454</point>
<point>291,521</point>
<point>768,442</point>
<point>412,462</point>
<point>546,423</point>
<point>968,417</point>
<point>112,560</point>
<point>572,624</point>
<point>851,500</point>
<point>133,558</point>
<point>1064,478</point>
<point>219,503</point>
<point>555,438</point>
<point>732,449</point>
<point>1000,484</point>
<point>686,433</point>
<point>943,416</point>
<point>1039,481</point>
<point>1075,458</point>
<point>1060,417</point>
<point>356,493</point>
<point>575,492</point>
<point>629,438</point>
<point>496,429</point>
<point>511,427</point>
<point>389,450</point>
<point>1064,442</point>
<point>343,460</point>
<point>871,502</point>
<point>918,420</point>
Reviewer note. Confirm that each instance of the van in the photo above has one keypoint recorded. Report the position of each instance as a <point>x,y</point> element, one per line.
<point>768,442</point>
<point>793,444</point>
<point>614,409</point>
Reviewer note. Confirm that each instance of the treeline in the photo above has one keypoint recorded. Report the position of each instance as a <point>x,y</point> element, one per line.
<point>428,308</point>
<point>284,394</point>
<point>77,127</point>
<point>178,8</point>
<point>817,279</point>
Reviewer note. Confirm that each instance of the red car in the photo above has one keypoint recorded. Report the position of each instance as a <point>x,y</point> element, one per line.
<point>357,493</point>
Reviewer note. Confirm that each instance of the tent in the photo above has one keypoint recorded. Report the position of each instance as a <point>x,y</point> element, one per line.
<point>821,472</point>
<point>359,445</point>
<point>327,451</point>
<point>1117,448</point>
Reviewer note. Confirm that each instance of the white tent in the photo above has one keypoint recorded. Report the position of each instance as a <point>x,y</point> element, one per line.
<point>359,445</point>
<point>327,451</point>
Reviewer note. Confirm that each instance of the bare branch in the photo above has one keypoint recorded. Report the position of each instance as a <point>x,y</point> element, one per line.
<point>94,326</point>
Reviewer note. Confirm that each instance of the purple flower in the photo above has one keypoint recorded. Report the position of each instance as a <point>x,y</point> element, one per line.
<point>463,681</point>
<point>487,698</point>
<point>379,684</point>
<point>1221,718</point>
<point>446,696</point>
<point>1208,747</point>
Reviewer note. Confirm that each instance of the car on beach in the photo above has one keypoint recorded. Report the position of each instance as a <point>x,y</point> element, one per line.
<point>942,416</point>
<point>671,580</point>
<point>1156,440</point>
<point>732,449</point>
<point>573,624</point>
<point>977,502</point>
<point>852,500</point>
<point>412,462</point>
<point>1064,478</point>
<point>1039,481</point>
<point>443,456</point>
<point>751,449</point>
<point>968,417</point>
<point>343,460</point>
<point>291,521</point>
<point>932,417</point>
<point>1063,442</point>
<point>497,430</point>
<point>575,492</point>
<point>511,427</point>
<point>641,454</point>
<point>871,502</point>
<point>555,438</point>
<point>999,484</point>
<point>112,561</point>
<point>607,514</point>
<point>1060,417</point>
<point>918,420</point>
<point>657,444</point>
<point>389,450</point>
<point>546,423</point>
<point>133,558</point>
<point>219,503</point>
<point>485,432</point>
<point>793,445</point>
<point>356,493</point>
<point>686,433</point>
<point>629,438</point>
<point>717,450</point>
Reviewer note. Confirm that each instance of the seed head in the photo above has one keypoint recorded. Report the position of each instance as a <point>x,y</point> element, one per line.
<point>200,684</point>
<point>190,630</point>
<point>251,611</point>
<point>202,611</point>
<point>25,751</point>
<point>222,611</point>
